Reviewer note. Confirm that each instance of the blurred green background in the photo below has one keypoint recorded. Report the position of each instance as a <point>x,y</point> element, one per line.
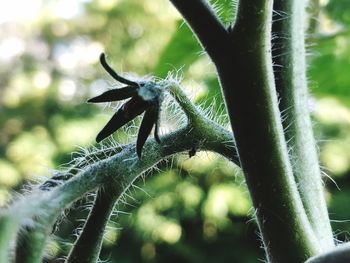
<point>191,210</point>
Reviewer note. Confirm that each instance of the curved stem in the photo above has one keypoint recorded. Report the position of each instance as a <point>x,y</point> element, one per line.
<point>119,170</point>
<point>290,75</point>
<point>86,248</point>
<point>94,156</point>
<point>88,245</point>
<point>248,85</point>
<point>206,25</point>
<point>247,80</point>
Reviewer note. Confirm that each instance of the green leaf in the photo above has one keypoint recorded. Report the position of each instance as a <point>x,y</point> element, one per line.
<point>182,50</point>
<point>339,10</point>
<point>329,70</point>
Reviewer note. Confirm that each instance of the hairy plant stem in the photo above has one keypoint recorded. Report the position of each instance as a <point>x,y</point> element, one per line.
<point>290,75</point>
<point>8,227</point>
<point>247,81</point>
<point>263,154</point>
<point>94,156</point>
<point>88,245</point>
<point>38,211</point>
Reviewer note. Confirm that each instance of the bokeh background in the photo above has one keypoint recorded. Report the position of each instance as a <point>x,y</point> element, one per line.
<point>191,210</point>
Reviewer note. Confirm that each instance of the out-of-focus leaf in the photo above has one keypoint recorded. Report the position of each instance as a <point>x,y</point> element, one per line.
<point>329,70</point>
<point>182,50</point>
<point>339,215</point>
<point>339,10</point>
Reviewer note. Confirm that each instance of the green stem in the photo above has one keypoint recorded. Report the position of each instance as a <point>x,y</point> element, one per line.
<point>246,76</point>
<point>120,170</point>
<point>94,156</point>
<point>290,75</point>
<point>87,247</point>
<point>8,228</point>
<point>123,168</point>
<point>253,109</point>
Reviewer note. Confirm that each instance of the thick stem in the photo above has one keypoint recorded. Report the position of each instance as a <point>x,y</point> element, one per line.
<point>248,84</point>
<point>246,77</point>
<point>252,104</point>
<point>290,74</point>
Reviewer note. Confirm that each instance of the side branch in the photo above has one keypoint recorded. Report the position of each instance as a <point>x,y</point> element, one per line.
<point>86,248</point>
<point>120,170</point>
<point>37,212</point>
<point>206,25</point>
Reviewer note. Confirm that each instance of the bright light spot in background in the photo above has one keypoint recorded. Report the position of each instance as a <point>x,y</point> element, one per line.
<point>169,232</point>
<point>19,10</point>
<point>67,89</point>
<point>327,26</point>
<point>60,28</point>
<point>135,30</point>
<point>80,52</point>
<point>65,9</point>
<point>225,199</point>
<point>38,48</point>
<point>191,194</point>
<point>32,152</point>
<point>159,227</point>
<point>41,79</point>
<point>324,2</point>
<point>336,157</point>
<point>9,176</point>
<point>11,47</point>
<point>110,237</point>
<point>107,4</point>
<point>70,134</point>
<point>4,197</point>
<point>200,163</point>
<point>330,111</point>
<point>98,86</point>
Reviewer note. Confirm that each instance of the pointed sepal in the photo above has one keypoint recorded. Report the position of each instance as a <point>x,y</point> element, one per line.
<point>115,74</point>
<point>157,124</point>
<point>146,126</point>
<point>115,95</point>
<point>130,110</point>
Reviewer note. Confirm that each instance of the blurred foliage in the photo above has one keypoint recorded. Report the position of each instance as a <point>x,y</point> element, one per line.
<point>194,209</point>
